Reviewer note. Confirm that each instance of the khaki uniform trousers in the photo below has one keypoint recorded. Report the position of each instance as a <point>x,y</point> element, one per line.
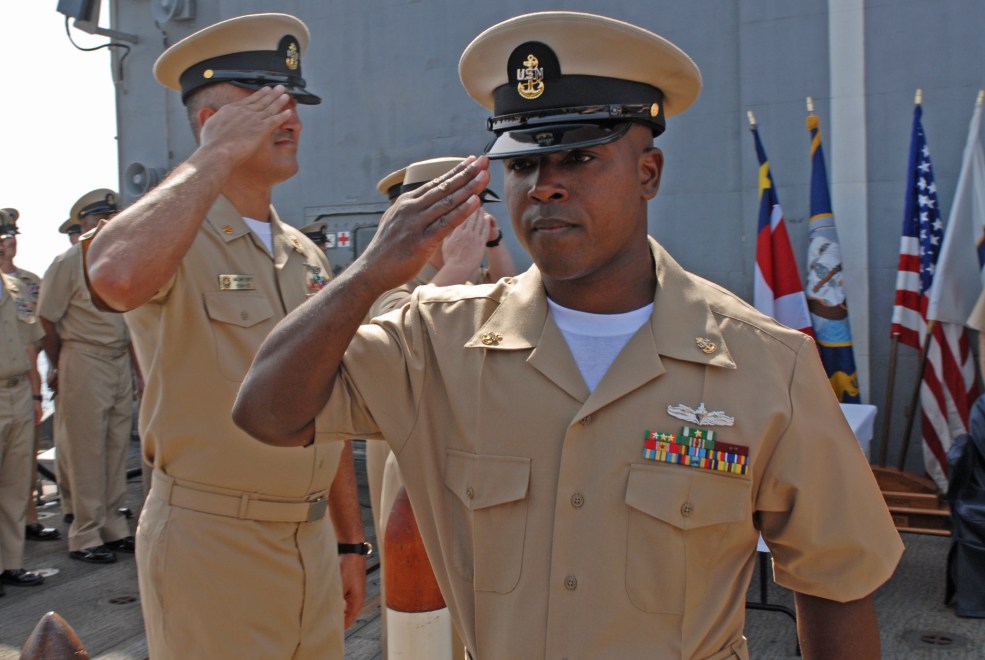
<point>96,399</point>
<point>16,446</point>
<point>294,565</point>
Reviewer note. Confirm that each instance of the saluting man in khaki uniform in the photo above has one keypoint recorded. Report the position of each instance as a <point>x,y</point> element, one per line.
<point>30,286</point>
<point>89,354</point>
<point>236,554</point>
<point>20,413</point>
<point>593,447</point>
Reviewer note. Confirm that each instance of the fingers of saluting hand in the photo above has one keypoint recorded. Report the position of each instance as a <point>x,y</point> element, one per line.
<point>242,125</point>
<point>449,200</point>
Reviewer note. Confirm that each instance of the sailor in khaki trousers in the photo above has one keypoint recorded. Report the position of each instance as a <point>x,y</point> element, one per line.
<point>20,413</point>
<point>242,551</point>
<point>91,372</point>
<point>30,286</point>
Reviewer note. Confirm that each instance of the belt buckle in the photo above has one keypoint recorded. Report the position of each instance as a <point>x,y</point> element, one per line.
<point>317,508</point>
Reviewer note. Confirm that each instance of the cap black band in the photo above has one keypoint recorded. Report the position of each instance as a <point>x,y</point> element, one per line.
<point>102,207</point>
<point>252,70</point>
<point>485,196</point>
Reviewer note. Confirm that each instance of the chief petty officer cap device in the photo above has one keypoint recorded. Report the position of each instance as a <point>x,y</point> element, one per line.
<point>562,80</point>
<point>252,51</point>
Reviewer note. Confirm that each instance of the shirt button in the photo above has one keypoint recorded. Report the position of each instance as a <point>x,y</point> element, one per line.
<point>244,315</point>
<point>577,500</point>
<point>687,509</point>
<point>586,420</point>
<point>571,583</point>
<point>469,492</point>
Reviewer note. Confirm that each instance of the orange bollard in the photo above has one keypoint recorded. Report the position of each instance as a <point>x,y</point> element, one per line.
<point>418,623</point>
<point>53,639</point>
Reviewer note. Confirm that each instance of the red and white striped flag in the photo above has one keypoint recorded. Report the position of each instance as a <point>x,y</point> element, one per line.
<point>778,290</point>
<point>950,387</point>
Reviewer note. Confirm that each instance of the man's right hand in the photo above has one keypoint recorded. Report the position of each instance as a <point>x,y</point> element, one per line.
<point>420,220</point>
<point>238,129</point>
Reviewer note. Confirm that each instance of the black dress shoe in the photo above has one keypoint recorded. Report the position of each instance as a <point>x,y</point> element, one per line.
<point>18,577</point>
<point>126,544</point>
<point>68,518</point>
<point>125,512</point>
<point>98,554</point>
<point>38,532</point>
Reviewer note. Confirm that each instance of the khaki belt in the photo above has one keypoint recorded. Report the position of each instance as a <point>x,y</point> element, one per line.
<point>245,506</point>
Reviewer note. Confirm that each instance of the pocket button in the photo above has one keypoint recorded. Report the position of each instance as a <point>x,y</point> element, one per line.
<point>577,500</point>
<point>687,509</point>
<point>571,583</point>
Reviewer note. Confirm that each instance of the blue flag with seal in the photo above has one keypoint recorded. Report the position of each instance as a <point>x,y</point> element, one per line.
<point>825,281</point>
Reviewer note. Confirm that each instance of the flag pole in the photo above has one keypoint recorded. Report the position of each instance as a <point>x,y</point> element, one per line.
<point>887,414</point>
<point>915,397</point>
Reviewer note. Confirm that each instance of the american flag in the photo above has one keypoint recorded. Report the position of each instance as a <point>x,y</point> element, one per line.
<point>920,242</point>
<point>777,288</point>
<point>949,386</point>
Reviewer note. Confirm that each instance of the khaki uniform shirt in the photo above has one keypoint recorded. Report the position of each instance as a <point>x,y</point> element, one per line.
<point>977,319</point>
<point>65,301</point>
<point>550,534</point>
<point>395,297</point>
<point>18,329</point>
<point>195,340</point>
<point>30,286</point>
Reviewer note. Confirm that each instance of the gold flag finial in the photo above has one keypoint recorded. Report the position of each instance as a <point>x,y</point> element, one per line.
<point>981,97</point>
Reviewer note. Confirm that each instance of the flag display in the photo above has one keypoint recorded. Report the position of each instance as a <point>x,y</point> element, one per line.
<point>825,281</point>
<point>949,387</point>
<point>777,289</point>
<point>920,242</point>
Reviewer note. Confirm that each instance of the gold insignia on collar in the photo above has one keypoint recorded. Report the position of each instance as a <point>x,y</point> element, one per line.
<point>531,79</point>
<point>707,346</point>
<point>490,338</point>
<point>297,245</point>
<point>293,56</point>
<point>228,229</point>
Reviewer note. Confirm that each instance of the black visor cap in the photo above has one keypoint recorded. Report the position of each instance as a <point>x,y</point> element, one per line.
<point>553,138</point>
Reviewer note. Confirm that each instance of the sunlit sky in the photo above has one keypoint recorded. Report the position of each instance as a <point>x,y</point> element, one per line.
<point>58,123</point>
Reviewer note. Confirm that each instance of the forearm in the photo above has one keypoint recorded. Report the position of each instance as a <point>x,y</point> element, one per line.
<point>129,260</point>
<point>343,501</point>
<point>981,354</point>
<point>500,263</point>
<point>51,343</point>
<point>294,370</point>
<point>454,273</point>
<point>832,630</point>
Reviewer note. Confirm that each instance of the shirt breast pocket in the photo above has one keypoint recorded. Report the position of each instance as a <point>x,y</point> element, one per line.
<point>240,321</point>
<point>678,519</point>
<point>488,517</point>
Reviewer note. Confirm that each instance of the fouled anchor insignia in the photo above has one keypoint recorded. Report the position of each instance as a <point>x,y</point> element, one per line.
<point>531,79</point>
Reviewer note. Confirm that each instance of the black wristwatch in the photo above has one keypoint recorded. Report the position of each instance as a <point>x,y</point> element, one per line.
<point>365,549</point>
<point>496,241</point>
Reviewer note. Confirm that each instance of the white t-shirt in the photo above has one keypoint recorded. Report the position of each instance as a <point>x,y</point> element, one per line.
<point>263,232</point>
<point>596,339</point>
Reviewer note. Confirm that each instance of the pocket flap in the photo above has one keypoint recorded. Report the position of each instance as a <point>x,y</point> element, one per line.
<point>482,481</point>
<point>237,308</point>
<point>686,497</point>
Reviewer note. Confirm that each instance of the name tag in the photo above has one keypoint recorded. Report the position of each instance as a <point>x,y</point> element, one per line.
<point>234,282</point>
